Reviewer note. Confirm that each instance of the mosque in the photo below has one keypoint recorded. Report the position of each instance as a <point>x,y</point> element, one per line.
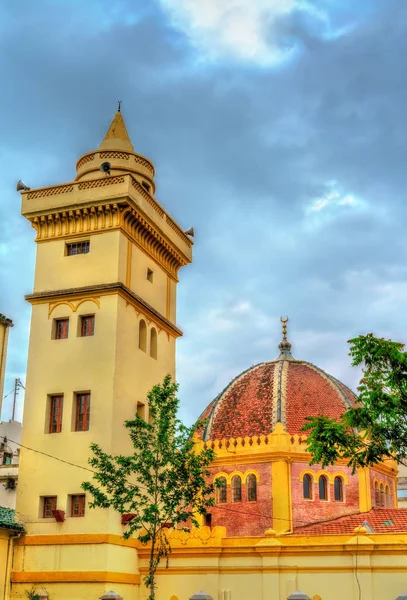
<point>103,332</point>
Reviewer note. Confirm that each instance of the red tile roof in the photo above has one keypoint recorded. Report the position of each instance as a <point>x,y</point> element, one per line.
<point>247,405</point>
<point>381,520</point>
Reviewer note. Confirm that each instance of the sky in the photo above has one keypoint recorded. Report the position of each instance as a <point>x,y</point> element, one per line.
<point>278,131</point>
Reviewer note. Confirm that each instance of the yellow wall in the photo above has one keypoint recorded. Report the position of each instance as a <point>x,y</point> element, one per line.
<point>4,557</point>
<point>129,233</point>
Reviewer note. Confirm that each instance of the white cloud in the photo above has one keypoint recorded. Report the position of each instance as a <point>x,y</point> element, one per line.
<point>325,207</point>
<point>243,29</point>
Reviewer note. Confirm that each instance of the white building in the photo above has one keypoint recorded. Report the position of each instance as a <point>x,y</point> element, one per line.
<point>10,436</point>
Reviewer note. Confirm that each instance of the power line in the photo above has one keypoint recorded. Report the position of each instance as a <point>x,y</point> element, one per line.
<point>256,514</point>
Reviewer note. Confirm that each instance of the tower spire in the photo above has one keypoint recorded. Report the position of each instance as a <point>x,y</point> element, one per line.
<point>117,137</point>
<point>284,346</point>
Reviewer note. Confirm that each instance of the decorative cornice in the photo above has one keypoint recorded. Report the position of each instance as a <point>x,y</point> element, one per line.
<point>148,238</point>
<point>103,290</point>
<point>111,216</point>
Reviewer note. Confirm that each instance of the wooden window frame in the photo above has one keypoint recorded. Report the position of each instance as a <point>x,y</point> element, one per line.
<point>75,248</point>
<point>308,478</point>
<point>341,490</point>
<point>81,500</point>
<point>63,333</point>
<point>84,319</point>
<point>324,481</point>
<point>82,424</point>
<point>53,506</point>
<point>56,408</point>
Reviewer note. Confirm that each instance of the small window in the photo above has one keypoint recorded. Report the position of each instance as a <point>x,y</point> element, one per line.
<point>208,520</point>
<point>82,412</point>
<point>376,494</point>
<point>153,343</point>
<point>307,487</point>
<point>323,488</point>
<point>7,458</point>
<point>145,186</point>
<point>77,248</point>
<point>338,489</point>
<point>78,505</point>
<point>55,417</point>
<point>150,275</point>
<point>141,410</point>
<point>388,499</point>
<point>87,325</point>
<point>61,329</point>
<point>49,504</point>
<point>236,489</point>
<point>142,340</point>
<point>382,496</point>
<point>221,491</point>
<point>251,488</point>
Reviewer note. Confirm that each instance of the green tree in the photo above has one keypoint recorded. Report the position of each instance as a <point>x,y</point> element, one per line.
<point>163,482</point>
<point>376,427</point>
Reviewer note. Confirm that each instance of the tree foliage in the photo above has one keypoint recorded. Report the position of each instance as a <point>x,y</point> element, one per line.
<point>376,427</point>
<point>162,483</point>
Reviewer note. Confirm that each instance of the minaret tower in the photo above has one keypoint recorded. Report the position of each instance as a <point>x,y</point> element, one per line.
<point>103,332</point>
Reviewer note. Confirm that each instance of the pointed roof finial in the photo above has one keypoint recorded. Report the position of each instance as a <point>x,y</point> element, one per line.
<point>119,102</point>
<point>117,137</point>
<point>284,346</point>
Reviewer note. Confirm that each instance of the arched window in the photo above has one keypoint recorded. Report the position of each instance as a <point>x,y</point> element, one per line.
<point>387,496</point>
<point>376,494</point>
<point>338,489</point>
<point>153,343</point>
<point>251,488</point>
<point>221,491</point>
<point>142,336</point>
<point>307,487</point>
<point>323,488</point>
<point>236,489</point>
<point>382,497</point>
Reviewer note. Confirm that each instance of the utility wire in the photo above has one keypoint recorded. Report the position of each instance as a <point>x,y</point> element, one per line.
<point>256,514</point>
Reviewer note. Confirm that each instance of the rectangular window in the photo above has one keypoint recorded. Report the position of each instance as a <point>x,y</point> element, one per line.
<point>78,505</point>
<point>61,329</point>
<point>7,458</point>
<point>87,325</point>
<point>77,248</point>
<point>49,504</point>
<point>55,417</point>
<point>150,275</point>
<point>82,412</point>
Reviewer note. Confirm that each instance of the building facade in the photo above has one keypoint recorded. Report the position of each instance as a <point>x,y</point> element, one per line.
<point>10,436</point>
<point>103,332</point>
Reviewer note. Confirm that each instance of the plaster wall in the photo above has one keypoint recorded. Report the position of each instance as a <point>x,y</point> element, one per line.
<point>306,511</point>
<point>54,270</point>
<point>245,518</point>
<point>387,480</point>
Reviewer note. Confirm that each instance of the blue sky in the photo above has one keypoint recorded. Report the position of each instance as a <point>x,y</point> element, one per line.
<point>278,130</point>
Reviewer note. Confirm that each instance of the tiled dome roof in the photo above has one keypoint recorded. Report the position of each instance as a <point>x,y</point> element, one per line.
<point>284,390</point>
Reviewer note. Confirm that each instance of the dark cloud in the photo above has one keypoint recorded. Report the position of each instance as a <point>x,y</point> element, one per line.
<point>241,153</point>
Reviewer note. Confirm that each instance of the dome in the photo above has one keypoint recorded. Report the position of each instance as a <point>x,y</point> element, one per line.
<point>284,390</point>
